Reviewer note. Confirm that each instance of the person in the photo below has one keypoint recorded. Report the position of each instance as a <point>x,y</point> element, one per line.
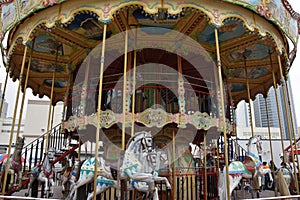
<point>272,165</point>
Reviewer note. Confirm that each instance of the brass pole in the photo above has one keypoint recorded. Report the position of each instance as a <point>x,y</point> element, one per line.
<point>133,93</point>
<point>52,117</point>
<point>249,98</point>
<point>123,184</point>
<point>3,94</point>
<point>270,141</point>
<point>99,110</point>
<point>79,149</point>
<point>292,120</point>
<point>216,92</point>
<point>174,167</point>
<point>13,122</point>
<point>51,99</point>
<point>66,98</point>
<point>233,119</point>
<point>223,111</point>
<point>278,111</point>
<point>288,123</point>
<point>24,92</point>
<point>205,164</point>
<point>124,90</point>
<point>85,87</point>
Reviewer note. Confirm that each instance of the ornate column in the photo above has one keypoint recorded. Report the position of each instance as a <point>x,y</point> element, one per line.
<point>99,108</point>
<point>24,92</point>
<point>223,111</point>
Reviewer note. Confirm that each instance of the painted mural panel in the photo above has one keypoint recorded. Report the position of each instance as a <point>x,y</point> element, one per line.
<point>273,10</point>
<point>45,67</point>
<point>238,87</point>
<point>27,6</point>
<point>254,52</point>
<point>45,44</point>
<point>147,20</point>
<point>231,29</point>
<point>253,73</point>
<point>88,26</point>
<point>8,15</point>
<point>57,83</point>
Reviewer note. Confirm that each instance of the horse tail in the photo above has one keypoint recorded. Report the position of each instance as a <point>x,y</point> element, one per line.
<point>222,184</point>
<point>281,184</point>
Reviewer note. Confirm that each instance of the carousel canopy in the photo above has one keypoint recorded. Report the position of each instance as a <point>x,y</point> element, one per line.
<point>60,34</point>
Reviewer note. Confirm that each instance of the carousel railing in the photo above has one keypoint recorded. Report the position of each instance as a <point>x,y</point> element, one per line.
<point>187,186</point>
<point>191,186</point>
<point>148,95</point>
<point>34,151</point>
<point>237,152</point>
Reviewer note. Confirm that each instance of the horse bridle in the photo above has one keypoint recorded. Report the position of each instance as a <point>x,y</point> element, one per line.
<point>147,143</point>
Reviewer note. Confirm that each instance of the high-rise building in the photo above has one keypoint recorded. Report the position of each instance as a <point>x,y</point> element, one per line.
<point>242,114</point>
<point>259,112</point>
<point>3,113</point>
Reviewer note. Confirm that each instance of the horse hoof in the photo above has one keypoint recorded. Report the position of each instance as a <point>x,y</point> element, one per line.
<point>26,194</point>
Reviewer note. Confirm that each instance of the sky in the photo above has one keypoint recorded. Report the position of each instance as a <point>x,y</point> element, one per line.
<point>294,77</point>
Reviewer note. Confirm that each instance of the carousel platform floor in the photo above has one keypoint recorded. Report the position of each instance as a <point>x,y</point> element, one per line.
<point>58,195</point>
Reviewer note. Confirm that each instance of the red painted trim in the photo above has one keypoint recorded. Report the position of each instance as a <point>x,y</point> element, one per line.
<point>288,148</point>
<point>66,153</point>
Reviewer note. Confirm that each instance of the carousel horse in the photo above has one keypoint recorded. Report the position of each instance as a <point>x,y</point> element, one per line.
<point>44,173</point>
<point>70,174</point>
<point>288,177</point>
<point>251,168</point>
<point>15,165</point>
<point>262,179</point>
<point>197,153</point>
<point>103,183</point>
<point>139,165</point>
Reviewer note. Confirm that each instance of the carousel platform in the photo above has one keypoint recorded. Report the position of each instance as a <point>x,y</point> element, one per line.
<point>21,194</point>
<point>239,194</point>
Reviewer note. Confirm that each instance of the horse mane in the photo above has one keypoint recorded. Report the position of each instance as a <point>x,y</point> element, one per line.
<point>137,135</point>
<point>16,156</point>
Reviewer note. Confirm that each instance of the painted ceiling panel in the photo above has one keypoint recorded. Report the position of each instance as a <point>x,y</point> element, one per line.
<point>231,29</point>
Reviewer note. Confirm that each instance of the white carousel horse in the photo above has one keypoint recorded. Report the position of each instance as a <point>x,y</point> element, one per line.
<point>103,183</point>
<point>197,153</point>
<point>44,173</point>
<point>15,165</point>
<point>70,174</point>
<point>266,170</point>
<point>251,168</point>
<point>288,176</point>
<point>139,165</point>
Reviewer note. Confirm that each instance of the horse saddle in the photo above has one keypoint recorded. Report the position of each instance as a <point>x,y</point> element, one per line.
<point>250,165</point>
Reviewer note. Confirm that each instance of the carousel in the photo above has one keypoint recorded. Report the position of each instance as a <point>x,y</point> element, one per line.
<point>152,86</point>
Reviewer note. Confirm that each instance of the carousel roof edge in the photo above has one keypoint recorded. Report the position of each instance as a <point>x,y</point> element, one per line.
<point>278,12</point>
